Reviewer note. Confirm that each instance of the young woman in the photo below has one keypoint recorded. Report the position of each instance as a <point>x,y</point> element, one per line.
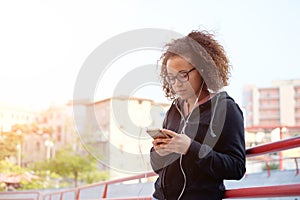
<point>205,126</point>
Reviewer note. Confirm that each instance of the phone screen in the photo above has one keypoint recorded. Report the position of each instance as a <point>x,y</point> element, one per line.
<point>156,133</point>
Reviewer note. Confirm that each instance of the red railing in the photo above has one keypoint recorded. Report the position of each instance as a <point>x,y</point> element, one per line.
<point>105,185</point>
<point>250,192</point>
<point>266,191</point>
<point>61,194</point>
<point>273,147</point>
<point>268,167</point>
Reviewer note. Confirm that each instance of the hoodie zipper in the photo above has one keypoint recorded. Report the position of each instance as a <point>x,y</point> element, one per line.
<point>165,169</point>
<point>185,121</point>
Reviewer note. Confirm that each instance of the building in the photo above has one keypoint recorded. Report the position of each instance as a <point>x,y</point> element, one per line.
<point>271,114</point>
<point>13,114</point>
<point>55,130</point>
<point>278,104</point>
<point>45,130</point>
<point>59,119</point>
<point>114,131</point>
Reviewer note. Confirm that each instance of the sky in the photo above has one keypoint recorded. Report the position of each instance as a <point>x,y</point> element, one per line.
<point>43,44</point>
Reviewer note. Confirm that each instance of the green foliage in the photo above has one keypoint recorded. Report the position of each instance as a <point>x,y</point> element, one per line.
<point>272,166</point>
<point>71,164</point>
<point>9,168</point>
<point>67,164</point>
<point>96,176</point>
<point>31,128</point>
<point>8,144</point>
<point>10,140</point>
<point>68,161</point>
<point>68,167</point>
<point>34,184</point>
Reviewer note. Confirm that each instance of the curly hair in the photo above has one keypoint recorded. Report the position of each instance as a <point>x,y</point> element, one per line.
<point>201,50</point>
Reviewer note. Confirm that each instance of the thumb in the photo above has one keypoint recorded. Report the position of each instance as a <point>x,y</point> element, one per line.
<point>169,132</point>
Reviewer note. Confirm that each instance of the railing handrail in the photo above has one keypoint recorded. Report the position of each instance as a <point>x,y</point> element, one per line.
<point>274,146</point>
<point>108,182</point>
<point>61,193</point>
<point>119,180</point>
<point>264,191</point>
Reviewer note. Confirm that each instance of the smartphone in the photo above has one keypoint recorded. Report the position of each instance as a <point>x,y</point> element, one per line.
<point>156,133</point>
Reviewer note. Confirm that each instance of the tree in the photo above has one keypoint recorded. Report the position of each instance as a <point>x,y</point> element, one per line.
<point>69,163</point>
<point>32,128</point>
<point>11,141</point>
<point>8,144</point>
<point>22,178</point>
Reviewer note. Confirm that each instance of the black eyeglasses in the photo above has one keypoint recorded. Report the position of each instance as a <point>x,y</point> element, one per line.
<point>182,76</point>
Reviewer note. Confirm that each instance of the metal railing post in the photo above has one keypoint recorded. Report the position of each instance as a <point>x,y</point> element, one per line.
<point>297,169</point>
<point>77,193</point>
<point>280,152</point>
<point>268,168</point>
<point>104,195</point>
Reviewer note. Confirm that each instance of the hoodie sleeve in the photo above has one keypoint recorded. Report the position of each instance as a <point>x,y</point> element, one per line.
<point>155,161</point>
<point>226,159</point>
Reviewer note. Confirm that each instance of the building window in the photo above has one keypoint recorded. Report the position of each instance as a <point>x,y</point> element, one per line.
<point>58,137</point>
<point>38,146</point>
<point>58,129</point>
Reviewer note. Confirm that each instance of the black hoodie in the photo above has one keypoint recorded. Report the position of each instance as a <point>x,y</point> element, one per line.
<point>217,151</point>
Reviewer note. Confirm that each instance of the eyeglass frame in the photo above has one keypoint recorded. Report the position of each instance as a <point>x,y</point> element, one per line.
<point>178,75</point>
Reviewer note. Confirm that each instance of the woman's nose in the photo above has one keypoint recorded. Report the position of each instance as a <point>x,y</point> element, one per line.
<point>177,82</point>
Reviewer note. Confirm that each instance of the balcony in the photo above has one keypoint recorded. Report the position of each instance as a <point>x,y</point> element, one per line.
<point>269,122</point>
<point>297,105</point>
<point>273,96</point>
<point>269,106</point>
<point>297,115</point>
<point>272,117</point>
<point>297,95</point>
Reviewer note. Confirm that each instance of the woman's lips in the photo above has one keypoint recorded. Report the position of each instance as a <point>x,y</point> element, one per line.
<point>180,92</point>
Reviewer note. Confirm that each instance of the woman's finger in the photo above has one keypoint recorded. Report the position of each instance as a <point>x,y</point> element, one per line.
<point>169,132</point>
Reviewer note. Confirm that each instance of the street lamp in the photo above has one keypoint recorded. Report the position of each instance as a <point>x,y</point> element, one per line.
<point>19,148</point>
<point>49,144</point>
<point>282,130</point>
<point>19,154</point>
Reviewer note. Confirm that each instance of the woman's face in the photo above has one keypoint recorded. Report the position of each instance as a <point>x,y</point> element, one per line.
<point>190,84</point>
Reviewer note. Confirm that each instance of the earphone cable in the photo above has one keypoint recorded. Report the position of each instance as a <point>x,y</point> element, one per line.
<point>183,132</point>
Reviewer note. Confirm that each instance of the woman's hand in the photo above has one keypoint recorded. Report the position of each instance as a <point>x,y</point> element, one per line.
<point>179,143</point>
<point>159,146</point>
